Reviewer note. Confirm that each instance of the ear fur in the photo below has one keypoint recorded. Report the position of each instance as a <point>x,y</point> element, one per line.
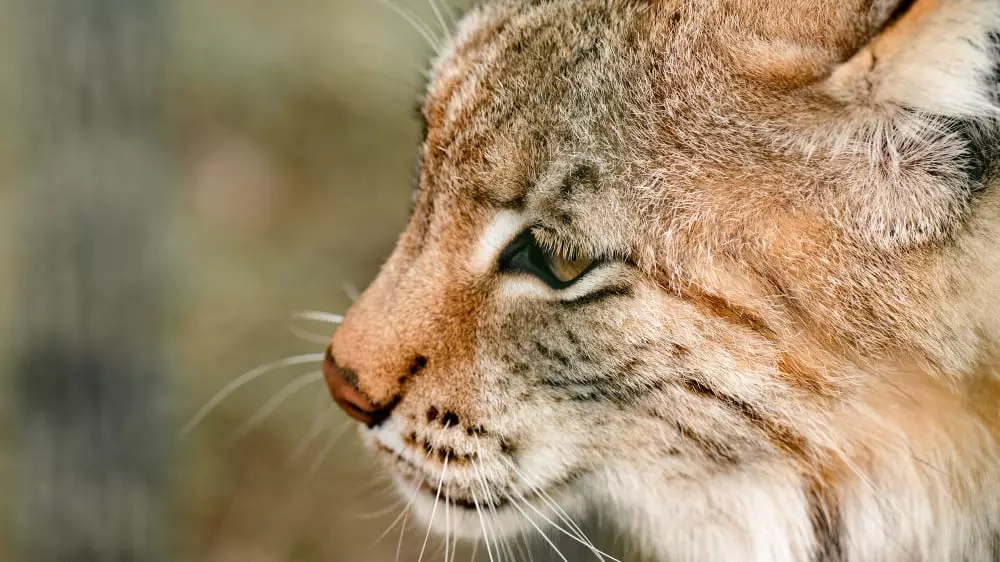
<point>913,119</point>
<point>941,57</point>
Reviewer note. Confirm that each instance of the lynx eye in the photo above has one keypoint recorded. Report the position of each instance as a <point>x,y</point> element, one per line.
<point>526,255</point>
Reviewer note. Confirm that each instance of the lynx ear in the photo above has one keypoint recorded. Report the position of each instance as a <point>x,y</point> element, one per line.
<point>936,56</point>
<point>912,118</point>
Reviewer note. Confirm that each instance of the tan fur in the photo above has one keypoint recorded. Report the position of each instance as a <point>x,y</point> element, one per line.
<point>789,352</point>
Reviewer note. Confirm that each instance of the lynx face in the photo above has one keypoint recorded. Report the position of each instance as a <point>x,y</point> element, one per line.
<point>695,265</point>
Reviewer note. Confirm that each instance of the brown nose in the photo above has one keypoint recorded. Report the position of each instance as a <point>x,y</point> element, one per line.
<point>343,387</point>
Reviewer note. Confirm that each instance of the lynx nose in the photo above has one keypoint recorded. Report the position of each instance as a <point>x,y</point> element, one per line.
<point>343,387</point>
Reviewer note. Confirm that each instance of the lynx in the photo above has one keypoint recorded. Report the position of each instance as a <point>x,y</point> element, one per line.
<point>724,272</point>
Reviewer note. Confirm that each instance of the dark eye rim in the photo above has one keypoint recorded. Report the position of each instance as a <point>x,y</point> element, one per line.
<point>525,255</point>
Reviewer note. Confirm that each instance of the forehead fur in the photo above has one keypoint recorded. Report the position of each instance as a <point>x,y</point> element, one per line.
<point>524,85</point>
<point>645,93</point>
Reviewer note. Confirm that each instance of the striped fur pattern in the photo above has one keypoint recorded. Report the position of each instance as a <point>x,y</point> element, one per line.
<point>787,348</point>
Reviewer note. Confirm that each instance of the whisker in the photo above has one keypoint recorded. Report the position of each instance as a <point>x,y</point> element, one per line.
<point>246,378</point>
<point>318,316</point>
<point>402,532</point>
<point>380,513</point>
<point>600,554</point>
<point>447,528</point>
<point>479,452</point>
<point>402,516</point>
<point>434,509</point>
<point>527,548</point>
<point>517,548</point>
<point>382,484</point>
<point>271,405</point>
<point>475,547</point>
<point>482,524</point>
<point>492,510</point>
<point>335,436</point>
<point>450,13</point>
<point>454,545</point>
<point>405,515</point>
<point>351,290</point>
<point>559,553</point>
<point>437,14</point>
<point>319,424</point>
<point>447,517</point>
<point>578,535</point>
<point>507,548</point>
<point>308,336</point>
<point>415,22</point>
<point>481,478</point>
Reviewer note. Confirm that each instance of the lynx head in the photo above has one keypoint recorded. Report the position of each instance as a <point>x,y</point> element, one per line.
<point>675,259</point>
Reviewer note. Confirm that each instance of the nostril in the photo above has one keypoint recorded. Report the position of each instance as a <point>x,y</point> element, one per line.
<point>343,383</point>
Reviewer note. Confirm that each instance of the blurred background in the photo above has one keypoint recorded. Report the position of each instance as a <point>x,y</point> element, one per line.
<point>176,178</point>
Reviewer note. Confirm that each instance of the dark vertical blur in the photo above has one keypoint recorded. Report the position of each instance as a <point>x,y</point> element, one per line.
<point>89,438</point>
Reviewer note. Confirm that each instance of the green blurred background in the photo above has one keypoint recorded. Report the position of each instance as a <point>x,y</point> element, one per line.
<point>172,189</point>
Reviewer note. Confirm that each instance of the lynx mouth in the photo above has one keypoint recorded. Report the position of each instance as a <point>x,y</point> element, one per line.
<point>463,502</point>
<point>432,486</point>
<point>469,480</point>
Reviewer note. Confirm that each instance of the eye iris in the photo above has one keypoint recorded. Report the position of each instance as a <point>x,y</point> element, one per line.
<point>567,270</point>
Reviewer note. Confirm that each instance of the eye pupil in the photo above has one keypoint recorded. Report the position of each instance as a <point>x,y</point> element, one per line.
<point>526,255</point>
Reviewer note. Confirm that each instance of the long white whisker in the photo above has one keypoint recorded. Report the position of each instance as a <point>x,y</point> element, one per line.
<point>402,531</point>
<point>527,548</point>
<point>513,502</point>
<point>506,544</point>
<point>475,547</point>
<point>447,520</point>
<point>517,548</point>
<point>277,400</point>
<point>437,497</point>
<point>308,336</point>
<point>380,513</point>
<point>449,12</point>
<point>403,514</point>
<point>447,528</point>
<point>480,477</point>
<point>601,555</point>
<point>479,452</point>
<point>454,542</point>
<point>578,535</point>
<point>414,22</point>
<point>482,524</point>
<point>318,316</point>
<point>384,481</point>
<point>437,14</point>
<point>328,446</point>
<point>317,427</point>
<point>246,378</point>
<point>548,500</point>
